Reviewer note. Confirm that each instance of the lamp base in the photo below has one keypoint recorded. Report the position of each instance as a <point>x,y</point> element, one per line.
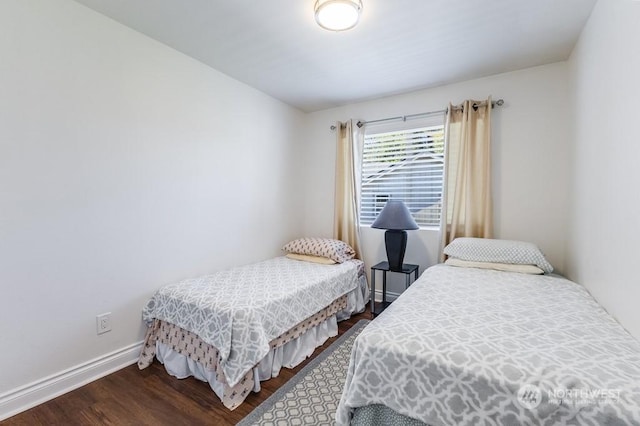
<point>396,243</point>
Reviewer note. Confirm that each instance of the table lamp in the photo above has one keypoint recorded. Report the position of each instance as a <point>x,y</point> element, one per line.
<point>396,219</point>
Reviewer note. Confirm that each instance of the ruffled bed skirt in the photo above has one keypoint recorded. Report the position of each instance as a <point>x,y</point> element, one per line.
<point>289,355</point>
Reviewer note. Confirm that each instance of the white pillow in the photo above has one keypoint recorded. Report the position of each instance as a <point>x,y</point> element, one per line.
<point>508,267</point>
<point>310,258</point>
<point>498,251</point>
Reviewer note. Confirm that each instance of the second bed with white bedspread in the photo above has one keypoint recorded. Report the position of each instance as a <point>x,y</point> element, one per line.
<point>460,344</point>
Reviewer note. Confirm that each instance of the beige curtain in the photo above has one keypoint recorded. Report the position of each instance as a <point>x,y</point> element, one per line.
<point>467,203</point>
<point>349,143</point>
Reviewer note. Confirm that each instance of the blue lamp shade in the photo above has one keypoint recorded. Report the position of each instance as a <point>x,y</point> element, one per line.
<point>395,218</point>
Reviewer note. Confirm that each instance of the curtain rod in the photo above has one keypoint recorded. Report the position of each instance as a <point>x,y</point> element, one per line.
<point>499,102</point>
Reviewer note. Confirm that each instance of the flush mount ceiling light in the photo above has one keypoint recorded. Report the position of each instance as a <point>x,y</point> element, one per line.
<point>337,15</point>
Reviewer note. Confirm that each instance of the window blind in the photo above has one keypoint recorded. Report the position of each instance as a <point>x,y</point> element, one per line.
<point>407,165</point>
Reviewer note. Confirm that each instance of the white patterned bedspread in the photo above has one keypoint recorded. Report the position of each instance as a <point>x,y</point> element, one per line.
<point>459,345</point>
<point>240,310</point>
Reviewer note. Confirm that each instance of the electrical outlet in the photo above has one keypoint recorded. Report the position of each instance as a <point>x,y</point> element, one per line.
<point>103,323</point>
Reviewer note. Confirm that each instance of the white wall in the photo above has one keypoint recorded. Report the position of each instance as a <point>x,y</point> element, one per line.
<point>530,149</point>
<point>124,165</point>
<point>605,216</point>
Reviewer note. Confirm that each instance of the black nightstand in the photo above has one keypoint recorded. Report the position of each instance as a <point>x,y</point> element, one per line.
<point>407,269</point>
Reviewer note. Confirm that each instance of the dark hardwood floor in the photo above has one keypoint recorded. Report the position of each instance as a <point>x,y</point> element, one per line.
<point>152,397</point>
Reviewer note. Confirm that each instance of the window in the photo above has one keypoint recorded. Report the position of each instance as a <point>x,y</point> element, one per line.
<point>407,165</point>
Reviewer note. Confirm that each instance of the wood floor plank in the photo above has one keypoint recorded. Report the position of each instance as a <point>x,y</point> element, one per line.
<point>153,397</point>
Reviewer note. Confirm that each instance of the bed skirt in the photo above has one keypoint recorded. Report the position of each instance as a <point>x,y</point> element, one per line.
<point>184,354</point>
<point>378,414</point>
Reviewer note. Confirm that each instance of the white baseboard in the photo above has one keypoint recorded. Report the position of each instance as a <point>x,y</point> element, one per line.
<point>391,296</point>
<point>21,399</point>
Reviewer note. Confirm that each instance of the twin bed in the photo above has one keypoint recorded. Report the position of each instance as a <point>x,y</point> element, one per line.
<point>238,327</point>
<point>476,345</point>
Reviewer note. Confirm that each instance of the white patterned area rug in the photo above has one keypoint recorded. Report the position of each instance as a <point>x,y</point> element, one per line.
<point>310,397</point>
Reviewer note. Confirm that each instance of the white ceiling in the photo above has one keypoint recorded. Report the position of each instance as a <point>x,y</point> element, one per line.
<point>398,46</point>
